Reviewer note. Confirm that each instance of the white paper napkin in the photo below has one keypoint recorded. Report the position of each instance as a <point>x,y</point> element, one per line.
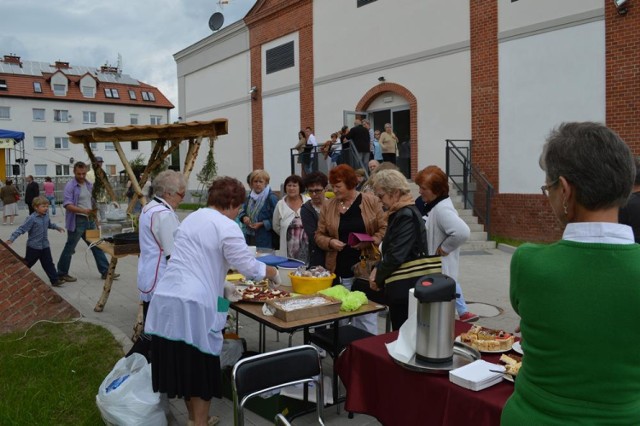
<point>477,375</point>
<point>405,347</point>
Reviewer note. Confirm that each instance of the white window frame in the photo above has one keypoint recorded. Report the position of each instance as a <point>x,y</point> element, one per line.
<point>39,142</point>
<point>37,87</point>
<point>135,146</point>
<point>110,169</point>
<point>62,170</point>
<point>61,115</point>
<point>89,117</point>
<point>61,142</point>
<point>155,119</point>
<point>88,91</point>
<point>38,114</point>
<point>132,95</point>
<point>133,119</point>
<point>108,146</point>
<point>40,169</point>
<point>59,89</point>
<point>94,146</point>
<point>5,113</point>
<point>112,115</point>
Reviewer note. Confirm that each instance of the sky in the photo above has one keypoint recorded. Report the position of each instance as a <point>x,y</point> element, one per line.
<point>92,33</point>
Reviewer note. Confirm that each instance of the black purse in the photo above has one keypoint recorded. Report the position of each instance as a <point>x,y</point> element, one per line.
<point>400,281</point>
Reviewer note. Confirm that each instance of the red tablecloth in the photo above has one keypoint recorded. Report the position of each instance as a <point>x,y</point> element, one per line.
<point>379,387</point>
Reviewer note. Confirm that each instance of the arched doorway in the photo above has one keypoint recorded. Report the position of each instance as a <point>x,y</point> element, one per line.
<point>395,104</point>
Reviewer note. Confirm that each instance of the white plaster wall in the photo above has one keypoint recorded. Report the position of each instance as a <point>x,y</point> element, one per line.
<point>443,90</point>
<point>218,84</point>
<point>546,79</point>
<point>233,151</point>
<point>281,122</point>
<point>22,120</point>
<point>347,37</point>
<point>285,77</point>
<point>514,15</point>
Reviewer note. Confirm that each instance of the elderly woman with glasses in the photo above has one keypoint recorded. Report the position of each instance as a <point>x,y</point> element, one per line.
<point>349,211</point>
<point>577,298</point>
<point>403,242</point>
<point>316,184</point>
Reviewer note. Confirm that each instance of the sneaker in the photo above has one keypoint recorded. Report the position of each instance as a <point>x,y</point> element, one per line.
<point>58,283</point>
<point>114,275</point>
<point>67,278</point>
<point>469,317</point>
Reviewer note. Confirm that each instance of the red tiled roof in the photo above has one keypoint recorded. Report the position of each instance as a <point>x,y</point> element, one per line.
<point>21,86</point>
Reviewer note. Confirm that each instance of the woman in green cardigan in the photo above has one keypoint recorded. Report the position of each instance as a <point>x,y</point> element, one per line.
<point>578,298</point>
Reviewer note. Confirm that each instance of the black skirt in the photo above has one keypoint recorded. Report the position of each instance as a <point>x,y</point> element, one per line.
<point>182,371</point>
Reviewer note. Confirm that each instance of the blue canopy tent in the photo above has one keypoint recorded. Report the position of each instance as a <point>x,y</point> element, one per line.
<point>10,134</point>
<point>5,142</point>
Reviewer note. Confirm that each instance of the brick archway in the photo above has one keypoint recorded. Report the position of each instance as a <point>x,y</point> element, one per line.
<point>376,91</point>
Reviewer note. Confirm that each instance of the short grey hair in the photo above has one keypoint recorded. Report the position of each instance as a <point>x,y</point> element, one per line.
<point>169,182</point>
<point>594,159</point>
<point>390,181</point>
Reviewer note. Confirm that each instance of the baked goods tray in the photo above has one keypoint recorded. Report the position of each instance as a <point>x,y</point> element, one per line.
<point>462,355</point>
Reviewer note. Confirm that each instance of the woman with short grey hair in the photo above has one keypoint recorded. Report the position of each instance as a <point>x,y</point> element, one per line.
<point>577,297</point>
<point>157,224</point>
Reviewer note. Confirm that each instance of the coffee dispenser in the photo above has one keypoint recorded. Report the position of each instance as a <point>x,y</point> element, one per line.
<point>436,294</point>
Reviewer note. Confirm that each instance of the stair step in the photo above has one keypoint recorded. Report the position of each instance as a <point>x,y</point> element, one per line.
<point>477,246</point>
<point>478,236</point>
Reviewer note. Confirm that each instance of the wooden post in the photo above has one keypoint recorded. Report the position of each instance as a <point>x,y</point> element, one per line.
<point>192,154</point>
<point>132,176</point>
<point>100,174</point>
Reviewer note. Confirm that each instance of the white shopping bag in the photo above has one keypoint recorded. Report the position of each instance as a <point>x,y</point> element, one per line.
<point>126,397</point>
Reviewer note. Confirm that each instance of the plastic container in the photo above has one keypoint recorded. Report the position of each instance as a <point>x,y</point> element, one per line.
<point>310,285</point>
<point>287,267</point>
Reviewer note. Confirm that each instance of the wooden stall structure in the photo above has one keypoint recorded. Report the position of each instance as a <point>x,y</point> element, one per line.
<point>166,139</point>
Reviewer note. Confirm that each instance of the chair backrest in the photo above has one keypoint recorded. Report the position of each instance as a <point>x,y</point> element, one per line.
<point>274,370</point>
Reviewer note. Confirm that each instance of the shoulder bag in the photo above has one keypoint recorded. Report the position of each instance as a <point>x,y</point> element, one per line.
<point>369,258</point>
<point>400,281</point>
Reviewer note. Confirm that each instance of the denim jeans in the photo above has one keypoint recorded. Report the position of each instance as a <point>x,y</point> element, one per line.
<point>44,256</point>
<point>52,203</point>
<point>461,304</point>
<point>73,237</point>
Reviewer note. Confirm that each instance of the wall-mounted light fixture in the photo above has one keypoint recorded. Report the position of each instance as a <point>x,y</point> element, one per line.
<point>621,6</point>
<point>254,92</point>
<point>381,78</point>
<point>71,160</point>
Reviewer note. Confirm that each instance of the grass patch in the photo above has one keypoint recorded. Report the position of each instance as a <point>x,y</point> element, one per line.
<point>508,241</point>
<point>51,376</point>
<point>189,206</point>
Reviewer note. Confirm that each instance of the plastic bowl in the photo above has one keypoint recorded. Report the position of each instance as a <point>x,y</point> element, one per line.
<point>310,285</point>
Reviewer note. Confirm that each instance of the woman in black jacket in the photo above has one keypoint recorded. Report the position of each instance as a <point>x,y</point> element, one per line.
<point>404,241</point>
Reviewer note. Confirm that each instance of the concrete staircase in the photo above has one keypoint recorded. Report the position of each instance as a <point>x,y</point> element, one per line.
<point>478,239</point>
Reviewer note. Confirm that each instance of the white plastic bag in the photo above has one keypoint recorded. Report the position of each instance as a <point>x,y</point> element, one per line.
<point>126,397</point>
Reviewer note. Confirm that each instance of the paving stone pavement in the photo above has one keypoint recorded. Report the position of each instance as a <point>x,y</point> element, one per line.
<point>484,276</point>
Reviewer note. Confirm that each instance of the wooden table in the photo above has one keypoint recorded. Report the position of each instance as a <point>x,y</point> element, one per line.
<point>93,236</point>
<point>254,311</point>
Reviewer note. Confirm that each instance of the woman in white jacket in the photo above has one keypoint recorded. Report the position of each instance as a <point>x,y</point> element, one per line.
<point>446,232</point>
<point>287,222</point>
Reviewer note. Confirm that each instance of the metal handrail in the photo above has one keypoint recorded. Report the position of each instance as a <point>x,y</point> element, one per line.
<point>473,185</point>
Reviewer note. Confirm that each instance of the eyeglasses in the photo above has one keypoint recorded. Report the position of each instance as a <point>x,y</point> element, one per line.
<point>380,195</point>
<point>315,191</point>
<point>545,188</point>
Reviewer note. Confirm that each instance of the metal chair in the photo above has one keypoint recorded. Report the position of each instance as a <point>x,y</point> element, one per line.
<point>275,370</point>
<point>334,340</point>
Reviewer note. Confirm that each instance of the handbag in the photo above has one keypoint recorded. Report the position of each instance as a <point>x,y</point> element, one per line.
<point>17,196</point>
<point>400,281</point>
<point>369,258</point>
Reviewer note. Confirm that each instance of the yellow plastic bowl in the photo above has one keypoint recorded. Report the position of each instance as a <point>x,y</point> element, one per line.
<point>310,285</point>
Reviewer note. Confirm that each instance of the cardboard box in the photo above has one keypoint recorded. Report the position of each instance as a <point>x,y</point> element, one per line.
<point>331,306</point>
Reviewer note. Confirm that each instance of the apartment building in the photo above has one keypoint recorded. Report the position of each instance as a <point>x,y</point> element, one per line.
<point>501,73</point>
<point>45,101</point>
